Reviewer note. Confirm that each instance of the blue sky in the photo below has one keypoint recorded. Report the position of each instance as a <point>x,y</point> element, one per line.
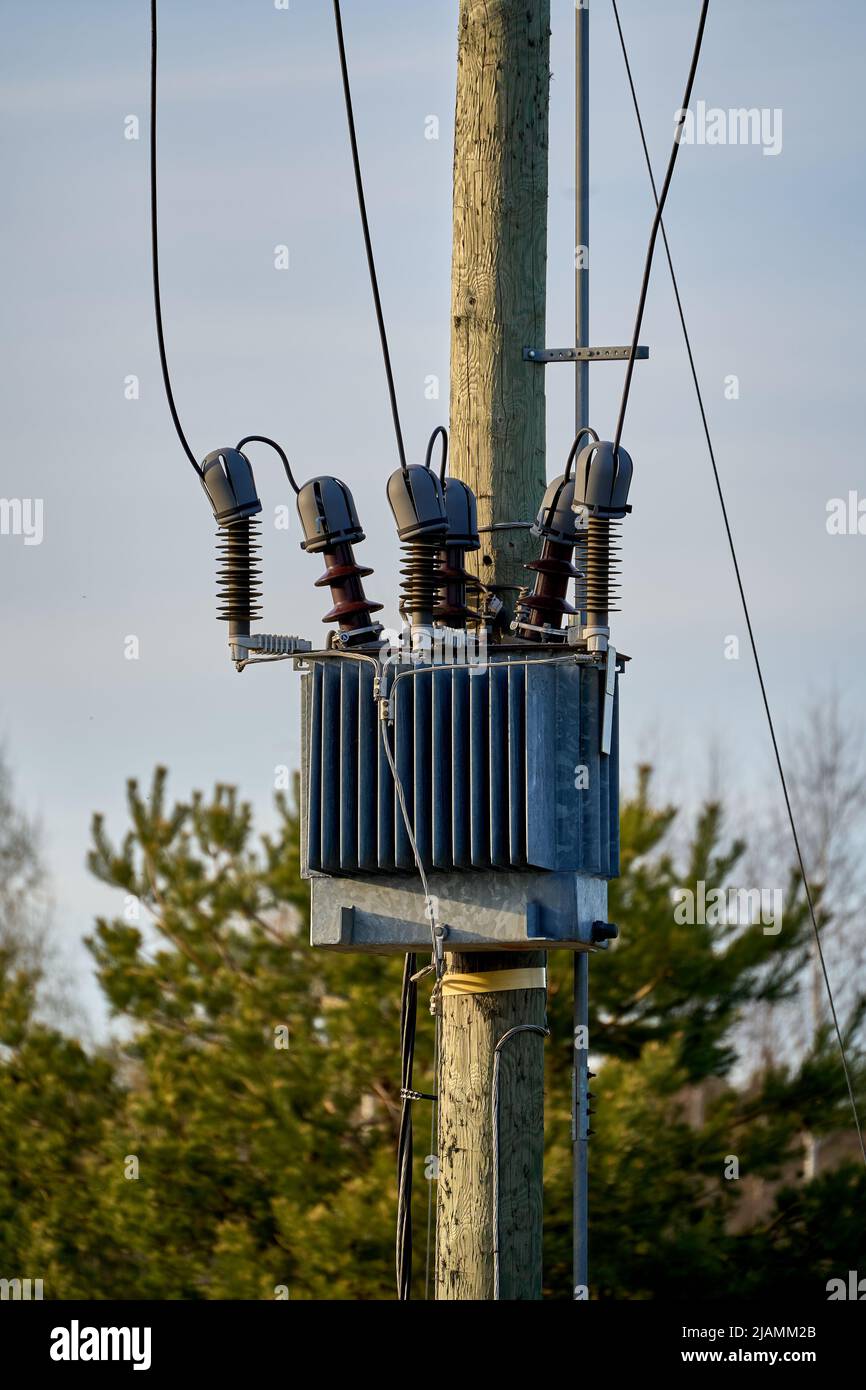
<point>253,153</point>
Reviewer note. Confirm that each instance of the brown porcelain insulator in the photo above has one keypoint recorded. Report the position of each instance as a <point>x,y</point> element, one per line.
<point>454,583</point>
<point>344,576</point>
<point>546,603</point>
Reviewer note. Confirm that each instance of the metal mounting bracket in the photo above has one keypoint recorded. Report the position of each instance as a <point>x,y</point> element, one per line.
<point>272,644</point>
<point>609,696</point>
<point>269,646</point>
<point>541,356</point>
<point>492,910</point>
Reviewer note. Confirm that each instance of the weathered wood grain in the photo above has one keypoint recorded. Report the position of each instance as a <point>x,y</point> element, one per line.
<point>471,1027</point>
<point>499,271</point>
<point>498,447</point>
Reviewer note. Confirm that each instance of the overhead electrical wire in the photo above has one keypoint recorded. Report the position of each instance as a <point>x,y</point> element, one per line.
<point>154,241</point>
<point>746,612</point>
<point>408,1019</point>
<point>440,432</point>
<point>660,203</point>
<point>157,296</point>
<point>368,243</point>
<point>263,439</point>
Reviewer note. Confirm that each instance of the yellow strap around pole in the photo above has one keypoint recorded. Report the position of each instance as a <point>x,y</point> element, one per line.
<point>493,981</point>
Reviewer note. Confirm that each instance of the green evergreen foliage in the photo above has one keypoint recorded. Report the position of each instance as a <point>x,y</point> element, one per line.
<point>237,1138</point>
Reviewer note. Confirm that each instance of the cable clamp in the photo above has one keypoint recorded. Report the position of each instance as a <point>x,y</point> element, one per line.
<point>384,698</point>
<point>406,1094</point>
<point>439,934</point>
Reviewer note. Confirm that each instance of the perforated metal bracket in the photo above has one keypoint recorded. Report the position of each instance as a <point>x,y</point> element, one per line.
<point>265,647</point>
<point>272,644</point>
<point>543,356</point>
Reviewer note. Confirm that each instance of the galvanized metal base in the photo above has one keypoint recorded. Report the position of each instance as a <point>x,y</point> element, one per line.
<point>492,911</point>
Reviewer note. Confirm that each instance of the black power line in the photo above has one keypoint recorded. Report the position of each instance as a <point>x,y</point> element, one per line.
<point>154,241</point>
<point>157,298</point>
<point>408,1018</point>
<point>263,439</point>
<point>660,203</point>
<point>368,244</point>
<point>732,547</point>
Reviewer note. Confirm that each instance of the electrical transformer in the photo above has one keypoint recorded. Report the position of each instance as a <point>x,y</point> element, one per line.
<point>461,778</point>
<point>511,796</point>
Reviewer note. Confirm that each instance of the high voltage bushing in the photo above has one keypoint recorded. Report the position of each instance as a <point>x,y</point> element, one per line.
<point>331,528</point>
<point>602,478</point>
<point>227,478</point>
<point>540,610</point>
<point>417,500</point>
<point>454,581</point>
<point>580,511</point>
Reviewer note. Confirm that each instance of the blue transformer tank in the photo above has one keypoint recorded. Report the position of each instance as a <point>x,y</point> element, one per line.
<point>510,772</point>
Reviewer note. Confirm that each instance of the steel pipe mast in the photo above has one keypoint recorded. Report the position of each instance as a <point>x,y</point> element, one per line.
<point>580,1041</point>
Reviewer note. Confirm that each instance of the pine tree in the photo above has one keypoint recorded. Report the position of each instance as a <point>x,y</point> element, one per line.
<point>677,1142</point>
<point>237,1139</point>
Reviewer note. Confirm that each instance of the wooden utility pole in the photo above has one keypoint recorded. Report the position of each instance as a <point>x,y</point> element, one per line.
<point>499,268</point>
<point>498,448</point>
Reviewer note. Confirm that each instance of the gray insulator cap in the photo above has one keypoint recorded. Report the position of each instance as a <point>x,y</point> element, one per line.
<point>461,510</point>
<point>230,486</point>
<point>556,519</point>
<point>327,511</point>
<point>601,481</point>
<point>417,500</point>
